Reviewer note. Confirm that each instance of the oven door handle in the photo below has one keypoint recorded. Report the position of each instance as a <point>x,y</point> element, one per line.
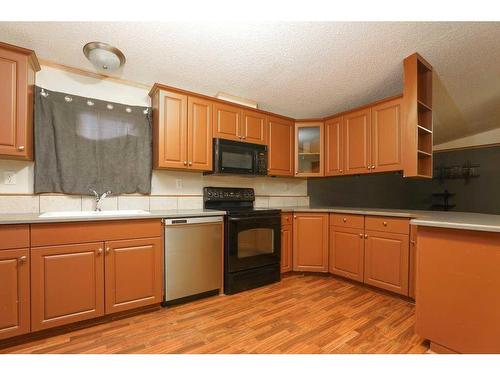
<point>253,218</point>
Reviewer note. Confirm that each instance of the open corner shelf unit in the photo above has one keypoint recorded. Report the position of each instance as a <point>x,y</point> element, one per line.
<point>418,115</point>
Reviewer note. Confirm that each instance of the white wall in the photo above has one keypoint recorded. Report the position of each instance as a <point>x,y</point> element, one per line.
<point>170,189</point>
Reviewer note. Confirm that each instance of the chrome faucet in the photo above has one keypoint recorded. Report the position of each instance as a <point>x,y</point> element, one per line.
<point>99,198</point>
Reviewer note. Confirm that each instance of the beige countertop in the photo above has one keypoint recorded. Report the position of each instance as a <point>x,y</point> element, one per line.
<point>440,219</point>
<point>33,218</point>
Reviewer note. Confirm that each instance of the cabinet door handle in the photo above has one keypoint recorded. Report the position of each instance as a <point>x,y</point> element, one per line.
<point>185,162</point>
<point>413,242</point>
<point>294,216</point>
<point>190,163</point>
<point>22,259</point>
<point>243,137</point>
<point>99,251</point>
<point>384,223</point>
<point>108,250</point>
<point>361,235</point>
<point>366,236</point>
<point>21,148</point>
<point>373,167</point>
<point>341,171</point>
<point>344,219</point>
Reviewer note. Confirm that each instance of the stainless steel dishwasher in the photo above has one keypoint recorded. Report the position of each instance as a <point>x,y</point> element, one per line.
<point>194,254</point>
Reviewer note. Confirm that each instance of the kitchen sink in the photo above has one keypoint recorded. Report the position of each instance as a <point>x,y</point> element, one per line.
<point>83,214</point>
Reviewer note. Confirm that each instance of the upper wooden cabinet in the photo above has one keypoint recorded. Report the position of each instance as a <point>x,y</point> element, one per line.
<point>334,147</point>
<point>386,137</point>
<point>182,137</point>
<point>227,122</point>
<point>309,149</point>
<point>17,80</point>
<point>357,142</point>
<point>417,94</point>
<point>310,242</point>
<point>281,147</point>
<point>254,127</point>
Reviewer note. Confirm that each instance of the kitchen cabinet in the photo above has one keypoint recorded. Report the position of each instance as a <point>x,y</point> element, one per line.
<point>310,242</point>
<point>357,142</point>
<point>18,67</point>
<point>286,243</point>
<point>387,261</point>
<point>386,137</point>
<point>281,147</point>
<point>412,282</point>
<point>334,147</point>
<point>170,130</point>
<point>133,273</point>
<point>347,252</point>
<point>67,284</point>
<point>199,133</point>
<point>182,132</point>
<point>254,127</point>
<point>227,122</point>
<point>14,292</point>
<point>309,149</point>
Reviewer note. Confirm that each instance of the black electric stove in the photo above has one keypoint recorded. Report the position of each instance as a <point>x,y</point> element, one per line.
<point>252,238</point>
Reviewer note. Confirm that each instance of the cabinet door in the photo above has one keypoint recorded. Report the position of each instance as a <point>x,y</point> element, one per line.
<point>171,131</point>
<point>347,252</point>
<point>334,150</point>
<point>286,248</point>
<point>134,276</point>
<point>413,262</point>
<point>227,122</point>
<point>16,105</point>
<point>14,292</point>
<point>310,242</point>
<point>357,142</point>
<point>254,127</point>
<point>281,147</point>
<point>386,136</point>
<point>386,261</point>
<point>199,134</point>
<point>67,284</point>
<point>309,149</point>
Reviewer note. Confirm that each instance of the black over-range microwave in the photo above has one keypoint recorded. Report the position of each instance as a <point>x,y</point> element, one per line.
<point>231,157</point>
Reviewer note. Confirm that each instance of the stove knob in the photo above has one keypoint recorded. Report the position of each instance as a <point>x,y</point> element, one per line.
<point>209,193</point>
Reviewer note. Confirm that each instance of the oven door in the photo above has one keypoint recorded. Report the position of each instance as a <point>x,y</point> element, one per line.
<point>234,157</point>
<point>252,241</point>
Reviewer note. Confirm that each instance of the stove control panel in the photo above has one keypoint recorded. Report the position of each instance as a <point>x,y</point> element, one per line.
<point>221,194</point>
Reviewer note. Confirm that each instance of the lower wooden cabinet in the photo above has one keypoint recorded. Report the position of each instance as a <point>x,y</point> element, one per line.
<point>286,248</point>
<point>347,252</point>
<point>386,261</point>
<point>14,292</point>
<point>412,282</point>
<point>67,284</point>
<point>310,242</point>
<point>133,273</point>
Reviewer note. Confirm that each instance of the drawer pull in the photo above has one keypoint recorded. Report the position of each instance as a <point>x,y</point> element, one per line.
<point>344,219</point>
<point>99,251</point>
<point>21,148</point>
<point>384,223</point>
<point>22,259</point>
<point>361,235</point>
<point>107,250</point>
<point>366,236</point>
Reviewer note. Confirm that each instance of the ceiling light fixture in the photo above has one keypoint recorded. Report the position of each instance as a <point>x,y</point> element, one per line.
<point>104,56</point>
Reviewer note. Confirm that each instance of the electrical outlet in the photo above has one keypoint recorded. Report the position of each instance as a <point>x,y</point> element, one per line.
<point>9,178</point>
<point>178,183</point>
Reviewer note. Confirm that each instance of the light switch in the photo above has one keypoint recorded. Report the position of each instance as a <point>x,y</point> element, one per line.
<point>9,178</point>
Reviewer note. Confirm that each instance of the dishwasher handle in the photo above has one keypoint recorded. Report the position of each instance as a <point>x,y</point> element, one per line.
<point>193,220</point>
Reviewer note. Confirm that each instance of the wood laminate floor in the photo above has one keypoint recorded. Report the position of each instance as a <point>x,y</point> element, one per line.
<point>301,314</point>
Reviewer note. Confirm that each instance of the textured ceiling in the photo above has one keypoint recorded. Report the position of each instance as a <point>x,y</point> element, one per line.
<point>297,69</point>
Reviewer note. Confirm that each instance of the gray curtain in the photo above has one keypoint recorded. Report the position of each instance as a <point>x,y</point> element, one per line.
<point>83,143</point>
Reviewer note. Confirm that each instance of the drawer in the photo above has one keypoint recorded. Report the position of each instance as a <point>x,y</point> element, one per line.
<point>93,231</point>
<point>388,224</point>
<point>14,236</point>
<point>347,221</point>
<point>286,219</point>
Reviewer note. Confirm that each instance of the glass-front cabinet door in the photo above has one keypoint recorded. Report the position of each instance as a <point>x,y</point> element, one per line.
<point>309,149</point>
